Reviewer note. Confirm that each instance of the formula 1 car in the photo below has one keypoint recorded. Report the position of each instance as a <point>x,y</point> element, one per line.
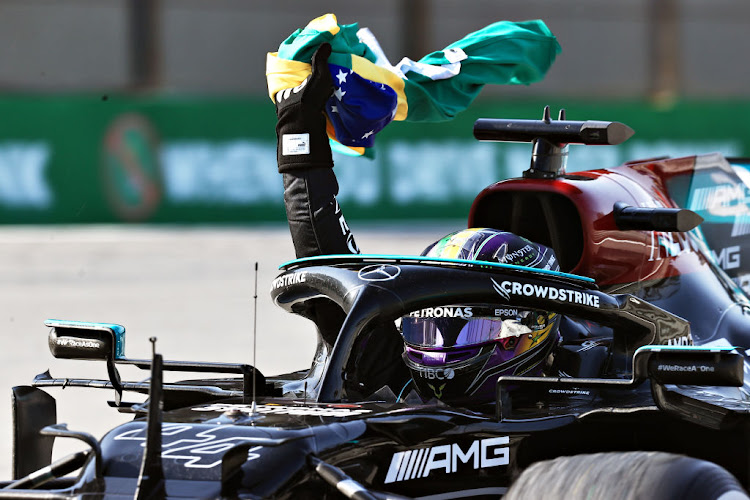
<point>653,403</point>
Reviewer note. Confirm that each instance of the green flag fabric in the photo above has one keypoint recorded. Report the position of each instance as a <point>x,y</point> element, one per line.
<point>371,92</point>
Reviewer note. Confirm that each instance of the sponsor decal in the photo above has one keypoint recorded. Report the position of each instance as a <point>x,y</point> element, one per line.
<point>288,279</point>
<point>667,245</point>
<point>500,290</point>
<point>571,392</point>
<point>443,312</point>
<point>728,258</point>
<point>345,231</point>
<point>723,200</point>
<point>195,450</point>
<point>448,458</point>
<point>462,312</point>
<point>436,373</point>
<point>295,144</point>
<point>515,256</point>
<point>438,391</point>
<point>71,342</point>
<point>508,288</point>
<point>725,204</point>
<point>686,368</point>
<point>682,340</point>
<point>379,272</point>
<point>506,312</point>
<point>272,409</point>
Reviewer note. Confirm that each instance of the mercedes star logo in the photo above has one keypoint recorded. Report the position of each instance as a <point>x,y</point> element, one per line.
<point>379,272</point>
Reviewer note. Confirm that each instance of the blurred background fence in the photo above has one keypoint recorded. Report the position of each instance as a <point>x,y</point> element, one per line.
<point>157,110</point>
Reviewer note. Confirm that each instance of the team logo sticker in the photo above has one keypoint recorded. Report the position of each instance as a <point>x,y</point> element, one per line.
<point>448,458</point>
<point>507,288</point>
<point>288,279</point>
<point>436,373</point>
<point>379,272</point>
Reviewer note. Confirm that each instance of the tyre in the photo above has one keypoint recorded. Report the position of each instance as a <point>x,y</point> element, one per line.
<point>626,476</point>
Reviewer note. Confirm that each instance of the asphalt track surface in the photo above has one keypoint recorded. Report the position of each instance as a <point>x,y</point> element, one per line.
<point>191,288</point>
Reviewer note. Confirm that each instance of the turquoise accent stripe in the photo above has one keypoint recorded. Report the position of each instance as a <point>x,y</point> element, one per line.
<point>417,259</point>
<point>684,347</point>
<point>66,323</point>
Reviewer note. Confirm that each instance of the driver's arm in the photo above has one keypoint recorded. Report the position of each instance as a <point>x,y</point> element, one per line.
<point>304,159</point>
<point>317,224</point>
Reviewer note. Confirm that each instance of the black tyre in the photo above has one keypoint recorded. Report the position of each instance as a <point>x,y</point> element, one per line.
<point>626,476</point>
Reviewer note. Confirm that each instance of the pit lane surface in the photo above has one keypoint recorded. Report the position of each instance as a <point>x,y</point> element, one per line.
<point>192,288</point>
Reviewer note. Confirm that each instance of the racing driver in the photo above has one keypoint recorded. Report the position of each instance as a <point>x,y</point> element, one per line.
<point>452,354</point>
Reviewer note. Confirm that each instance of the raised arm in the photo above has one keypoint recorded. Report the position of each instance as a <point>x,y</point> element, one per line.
<point>304,159</point>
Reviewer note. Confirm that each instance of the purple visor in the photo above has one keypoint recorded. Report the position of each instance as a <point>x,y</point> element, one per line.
<point>462,326</point>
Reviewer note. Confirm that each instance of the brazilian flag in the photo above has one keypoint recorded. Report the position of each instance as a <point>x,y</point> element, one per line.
<point>371,92</point>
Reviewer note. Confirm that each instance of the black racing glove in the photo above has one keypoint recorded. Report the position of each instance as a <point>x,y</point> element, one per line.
<point>301,136</point>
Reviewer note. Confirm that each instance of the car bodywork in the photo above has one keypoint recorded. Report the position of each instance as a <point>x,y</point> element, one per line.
<point>661,370</point>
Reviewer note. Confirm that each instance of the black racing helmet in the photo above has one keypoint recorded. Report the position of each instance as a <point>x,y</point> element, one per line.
<point>456,353</point>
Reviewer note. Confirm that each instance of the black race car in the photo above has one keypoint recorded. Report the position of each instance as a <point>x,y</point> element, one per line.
<point>649,401</point>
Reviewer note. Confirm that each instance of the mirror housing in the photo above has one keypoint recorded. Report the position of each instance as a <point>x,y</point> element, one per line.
<point>661,364</point>
<point>689,365</point>
<point>85,340</point>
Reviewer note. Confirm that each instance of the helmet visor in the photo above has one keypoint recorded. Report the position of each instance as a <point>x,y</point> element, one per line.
<point>440,327</point>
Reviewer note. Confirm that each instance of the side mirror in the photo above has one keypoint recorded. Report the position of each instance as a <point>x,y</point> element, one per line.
<point>84,340</point>
<point>689,365</point>
<point>662,364</point>
<point>693,366</point>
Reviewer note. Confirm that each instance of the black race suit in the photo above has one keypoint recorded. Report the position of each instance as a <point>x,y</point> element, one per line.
<point>318,227</point>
